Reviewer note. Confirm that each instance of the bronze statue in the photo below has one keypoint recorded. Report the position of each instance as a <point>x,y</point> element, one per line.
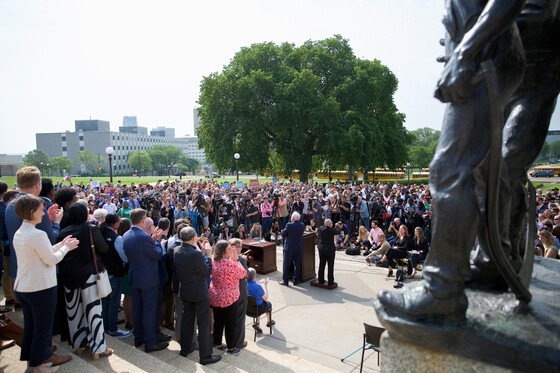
<point>478,192</point>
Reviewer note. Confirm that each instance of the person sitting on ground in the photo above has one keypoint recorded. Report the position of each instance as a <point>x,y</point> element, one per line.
<point>240,233</point>
<point>403,244</point>
<point>343,239</point>
<point>420,249</point>
<point>378,251</point>
<point>225,234</point>
<point>373,238</point>
<point>276,232</point>
<point>363,237</point>
<point>256,232</point>
<point>261,296</point>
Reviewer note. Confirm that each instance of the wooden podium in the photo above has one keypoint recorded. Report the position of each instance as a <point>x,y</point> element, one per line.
<point>263,253</point>
<point>308,259</point>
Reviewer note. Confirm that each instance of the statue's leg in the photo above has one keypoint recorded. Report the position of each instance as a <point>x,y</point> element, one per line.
<point>461,152</point>
<point>524,135</point>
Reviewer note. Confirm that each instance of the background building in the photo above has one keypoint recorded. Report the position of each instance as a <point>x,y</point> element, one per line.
<point>95,136</point>
<point>9,164</point>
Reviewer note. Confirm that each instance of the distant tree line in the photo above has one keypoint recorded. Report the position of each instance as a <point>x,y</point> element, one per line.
<point>160,159</point>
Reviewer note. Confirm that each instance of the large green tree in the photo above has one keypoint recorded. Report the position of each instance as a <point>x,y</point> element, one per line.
<point>140,161</point>
<point>189,165</point>
<point>61,165</point>
<point>165,157</point>
<point>286,108</point>
<point>39,159</point>
<point>92,162</point>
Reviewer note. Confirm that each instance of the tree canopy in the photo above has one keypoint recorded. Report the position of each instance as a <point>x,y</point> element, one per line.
<point>91,161</point>
<point>61,165</point>
<point>39,159</point>
<point>285,108</point>
<point>423,146</point>
<point>140,161</point>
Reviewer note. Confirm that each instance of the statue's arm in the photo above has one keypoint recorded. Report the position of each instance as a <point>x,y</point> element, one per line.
<point>455,83</point>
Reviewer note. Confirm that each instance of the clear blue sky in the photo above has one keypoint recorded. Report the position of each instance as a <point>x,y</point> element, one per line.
<point>66,60</point>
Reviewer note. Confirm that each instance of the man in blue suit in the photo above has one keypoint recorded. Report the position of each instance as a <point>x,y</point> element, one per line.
<point>143,253</point>
<point>293,248</point>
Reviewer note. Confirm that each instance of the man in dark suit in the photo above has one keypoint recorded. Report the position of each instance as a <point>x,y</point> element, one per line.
<point>327,250</point>
<point>192,271</point>
<point>293,248</point>
<point>143,253</point>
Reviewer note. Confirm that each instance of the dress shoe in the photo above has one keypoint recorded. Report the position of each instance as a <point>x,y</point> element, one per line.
<point>138,344</point>
<point>7,343</point>
<point>156,347</point>
<point>418,303</point>
<point>17,306</point>
<point>161,338</point>
<point>297,283</point>
<point>243,345</point>
<point>210,360</point>
<point>58,359</point>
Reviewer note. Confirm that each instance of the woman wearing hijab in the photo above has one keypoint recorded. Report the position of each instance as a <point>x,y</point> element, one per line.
<point>78,274</point>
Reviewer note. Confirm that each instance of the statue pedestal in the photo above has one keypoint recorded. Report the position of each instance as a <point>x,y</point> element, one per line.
<point>499,332</point>
<point>401,357</point>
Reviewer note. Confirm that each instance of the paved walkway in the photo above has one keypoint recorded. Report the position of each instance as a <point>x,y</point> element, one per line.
<point>313,325</point>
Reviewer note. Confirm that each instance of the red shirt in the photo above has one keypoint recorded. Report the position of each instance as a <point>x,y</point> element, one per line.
<point>224,288</point>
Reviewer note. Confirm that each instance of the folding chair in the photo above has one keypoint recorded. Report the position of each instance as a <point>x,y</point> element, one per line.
<point>253,312</point>
<point>372,337</point>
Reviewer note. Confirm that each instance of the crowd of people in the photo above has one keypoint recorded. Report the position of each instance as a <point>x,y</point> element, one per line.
<point>172,251</point>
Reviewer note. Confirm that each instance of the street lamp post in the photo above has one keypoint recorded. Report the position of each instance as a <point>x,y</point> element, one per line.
<point>236,156</point>
<point>109,150</point>
<point>408,171</point>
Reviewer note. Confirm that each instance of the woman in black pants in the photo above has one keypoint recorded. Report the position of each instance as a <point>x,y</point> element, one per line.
<point>420,248</point>
<point>400,249</point>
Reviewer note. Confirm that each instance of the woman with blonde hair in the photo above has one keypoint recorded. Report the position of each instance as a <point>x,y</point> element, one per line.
<point>363,236</point>
<point>547,239</point>
<point>256,232</point>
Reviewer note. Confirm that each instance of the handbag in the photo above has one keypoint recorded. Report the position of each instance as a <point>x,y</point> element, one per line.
<point>102,281</point>
<point>10,330</point>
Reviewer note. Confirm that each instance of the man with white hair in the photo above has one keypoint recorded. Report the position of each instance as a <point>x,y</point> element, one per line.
<point>99,216</point>
<point>293,248</point>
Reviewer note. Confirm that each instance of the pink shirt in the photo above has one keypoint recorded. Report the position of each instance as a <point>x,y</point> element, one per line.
<point>224,288</point>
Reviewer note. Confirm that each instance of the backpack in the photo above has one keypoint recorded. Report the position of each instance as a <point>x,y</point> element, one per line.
<point>353,250</point>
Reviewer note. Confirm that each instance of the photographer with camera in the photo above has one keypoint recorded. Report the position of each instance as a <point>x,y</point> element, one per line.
<point>345,211</point>
<point>226,213</point>
<point>252,212</point>
<point>203,209</point>
<point>280,203</point>
<point>266,213</point>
